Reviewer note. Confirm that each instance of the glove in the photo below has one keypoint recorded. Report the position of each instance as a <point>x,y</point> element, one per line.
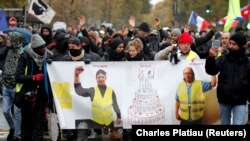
<point>38,77</point>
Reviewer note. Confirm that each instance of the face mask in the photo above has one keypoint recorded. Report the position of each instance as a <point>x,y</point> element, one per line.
<point>46,37</point>
<point>75,52</point>
<point>153,39</point>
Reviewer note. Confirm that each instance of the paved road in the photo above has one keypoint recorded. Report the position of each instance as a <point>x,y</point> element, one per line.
<point>3,124</point>
<point>4,128</point>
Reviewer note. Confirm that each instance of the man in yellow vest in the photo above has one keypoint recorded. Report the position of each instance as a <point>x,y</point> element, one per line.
<point>102,97</point>
<point>190,98</point>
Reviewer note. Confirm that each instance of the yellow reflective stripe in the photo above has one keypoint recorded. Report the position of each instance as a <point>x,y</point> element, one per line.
<point>197,102</point>
<point>107,108</point>
<point>193,102</point>
<point>20,85</point>
<point>192,110</point>
<point>102,117</point>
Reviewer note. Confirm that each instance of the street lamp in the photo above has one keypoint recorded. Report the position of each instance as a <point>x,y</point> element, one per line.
<point>208,9</point>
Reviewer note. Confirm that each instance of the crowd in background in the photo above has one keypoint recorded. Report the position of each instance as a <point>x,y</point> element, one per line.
<point>24,71</point>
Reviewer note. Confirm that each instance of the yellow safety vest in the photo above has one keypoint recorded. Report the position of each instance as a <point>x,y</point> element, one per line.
<point>196,105</point>
<point>20,85</point>
<point>102,109</point>
<point>191,55</point>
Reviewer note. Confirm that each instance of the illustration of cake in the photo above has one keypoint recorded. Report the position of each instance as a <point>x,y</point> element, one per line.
<point>146,107</point>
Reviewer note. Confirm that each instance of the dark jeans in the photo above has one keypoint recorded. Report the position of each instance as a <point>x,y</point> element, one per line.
<point>32,120</point>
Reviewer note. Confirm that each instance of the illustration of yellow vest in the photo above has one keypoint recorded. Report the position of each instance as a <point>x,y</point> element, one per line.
<point>196,105</point>
<point>191,55</point>
<point>102,110</point>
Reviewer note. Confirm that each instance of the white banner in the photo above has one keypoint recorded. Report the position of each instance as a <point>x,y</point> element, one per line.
<point>145,91</point>
<point>42,11</point>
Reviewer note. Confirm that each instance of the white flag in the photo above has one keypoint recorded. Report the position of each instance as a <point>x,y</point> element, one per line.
<point>42,11</point>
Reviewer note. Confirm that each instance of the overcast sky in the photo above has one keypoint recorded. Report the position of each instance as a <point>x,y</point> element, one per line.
<point>154,1</point>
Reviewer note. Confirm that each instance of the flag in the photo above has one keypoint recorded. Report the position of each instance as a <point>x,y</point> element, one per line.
<point>3,21</point>
<point>195,19</point>
<point>222,21</point>
<point>233,13</point>
<point>245,11</point>
<point>41,11</point>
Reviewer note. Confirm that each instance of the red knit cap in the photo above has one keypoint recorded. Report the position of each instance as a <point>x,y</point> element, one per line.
<point>185,38</point>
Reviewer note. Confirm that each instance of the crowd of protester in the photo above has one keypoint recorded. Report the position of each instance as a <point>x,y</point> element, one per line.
<point>24,67</point>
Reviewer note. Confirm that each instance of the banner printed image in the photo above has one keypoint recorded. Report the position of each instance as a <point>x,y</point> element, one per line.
<point>133,85</point>
<point>103,101</point>
<point>146,107</point>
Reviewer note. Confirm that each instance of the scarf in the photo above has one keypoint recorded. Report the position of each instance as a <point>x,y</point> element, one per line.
<point>77,58</point>
<point>114,56</point>
<point>38,58</point>
<point>138,57</point>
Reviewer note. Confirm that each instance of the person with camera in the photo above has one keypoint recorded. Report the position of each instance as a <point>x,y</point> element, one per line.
<point>32,88</point>
<point>180,51</point>
<point>233,80</point>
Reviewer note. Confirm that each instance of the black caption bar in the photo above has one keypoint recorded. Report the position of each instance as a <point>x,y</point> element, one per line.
<point>196,132</point>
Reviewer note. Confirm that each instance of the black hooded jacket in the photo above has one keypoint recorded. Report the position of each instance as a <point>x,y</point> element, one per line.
<point>233,80</point>
<point>47,39</point>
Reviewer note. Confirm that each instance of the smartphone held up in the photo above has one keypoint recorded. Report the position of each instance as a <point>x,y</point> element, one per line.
<point>216,43</point>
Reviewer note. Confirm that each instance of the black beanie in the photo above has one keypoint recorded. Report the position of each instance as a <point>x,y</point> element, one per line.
<point>239,39</point>
<point>60,36</point>
<point>74,40</point>
<point>83,39</point>
<point>115,43</point>
<point>144,27</point>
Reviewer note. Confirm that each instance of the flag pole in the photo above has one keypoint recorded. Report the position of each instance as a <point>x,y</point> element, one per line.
<point>25,16</point>
<point>190,17</point>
